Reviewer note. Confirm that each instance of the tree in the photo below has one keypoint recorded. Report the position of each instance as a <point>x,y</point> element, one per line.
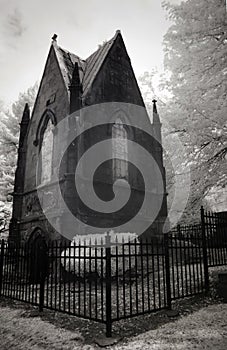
<point>196,64</point>
<point>174,150</point>
<point>9,136</point>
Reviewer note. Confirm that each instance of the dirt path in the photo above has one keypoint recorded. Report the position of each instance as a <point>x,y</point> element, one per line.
<point>203,329</point>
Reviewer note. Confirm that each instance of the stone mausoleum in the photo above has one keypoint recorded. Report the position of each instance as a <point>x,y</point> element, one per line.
<point>68,84</point>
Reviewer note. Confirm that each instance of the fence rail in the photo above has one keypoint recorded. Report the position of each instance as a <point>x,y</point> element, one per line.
<point>110,281</point>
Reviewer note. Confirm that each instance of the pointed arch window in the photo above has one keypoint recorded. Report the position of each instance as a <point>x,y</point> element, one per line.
<point>119,150</point>
<point>46,153</point>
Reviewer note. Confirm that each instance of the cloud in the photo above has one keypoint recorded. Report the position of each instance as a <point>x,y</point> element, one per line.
<point>14,24</point>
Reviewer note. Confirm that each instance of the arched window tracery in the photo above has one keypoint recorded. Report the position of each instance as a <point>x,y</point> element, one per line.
<point>119,150</point>
<point>46,153</point>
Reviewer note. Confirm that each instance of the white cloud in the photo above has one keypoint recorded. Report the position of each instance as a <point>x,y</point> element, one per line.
<point>14,24</point>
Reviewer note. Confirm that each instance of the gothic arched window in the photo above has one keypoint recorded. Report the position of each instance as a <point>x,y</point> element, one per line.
<point>46,153</point>
<point>120,150</point>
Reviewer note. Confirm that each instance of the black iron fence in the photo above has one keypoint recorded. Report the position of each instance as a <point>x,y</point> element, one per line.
<point>107,281</point>
<point>99,282</point>
<point>215,227</point>
<point>187,267</point>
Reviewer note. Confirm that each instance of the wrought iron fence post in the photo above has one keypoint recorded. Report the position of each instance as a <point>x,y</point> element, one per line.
<point>179,231</point>
<point>167,269</point>
<point>108,288</point>
<point>42,277</point>
<point>204,243</point>
<point>1,263</point>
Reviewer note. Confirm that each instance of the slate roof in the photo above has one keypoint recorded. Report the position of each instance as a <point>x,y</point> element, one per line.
<point>66,62</point>
<point>88,68</point>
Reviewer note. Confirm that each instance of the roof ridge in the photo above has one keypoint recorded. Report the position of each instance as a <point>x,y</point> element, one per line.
<point>96,59</point>
<point>92,56</point>
<point>104,43</point>
<point>69,52</point>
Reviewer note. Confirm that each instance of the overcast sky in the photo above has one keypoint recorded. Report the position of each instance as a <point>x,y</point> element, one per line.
<point>26,28</point>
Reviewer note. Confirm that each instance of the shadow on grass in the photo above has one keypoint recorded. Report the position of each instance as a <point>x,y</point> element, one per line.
<point>124,328</point>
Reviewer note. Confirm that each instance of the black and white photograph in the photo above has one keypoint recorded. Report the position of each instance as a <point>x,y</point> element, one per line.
<point>113,174</point>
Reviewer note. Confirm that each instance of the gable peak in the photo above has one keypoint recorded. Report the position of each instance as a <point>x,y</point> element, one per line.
<point>89,67</point>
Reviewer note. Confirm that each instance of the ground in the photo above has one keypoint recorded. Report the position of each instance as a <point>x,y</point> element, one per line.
<point>203,326</point>
<point>204,329</point>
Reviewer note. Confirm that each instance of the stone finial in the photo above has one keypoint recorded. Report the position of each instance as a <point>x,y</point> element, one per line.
<point>156,119</point>
<point>24,125</point>
<point>54,38</point>
<point>154,106</point>
<point>26,115</point>
<point>75,90</point>
<point>75,75</point>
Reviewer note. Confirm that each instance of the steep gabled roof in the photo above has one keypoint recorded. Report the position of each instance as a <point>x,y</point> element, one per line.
<point>66,62</point>
<point>88,69</point>
<point>95,61</point>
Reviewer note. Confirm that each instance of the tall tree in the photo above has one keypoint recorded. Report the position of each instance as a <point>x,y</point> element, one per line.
<point>195,56</point>
<point>9,135</point>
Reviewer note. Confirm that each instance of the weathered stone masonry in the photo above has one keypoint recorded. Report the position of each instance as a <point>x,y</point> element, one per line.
<point>69,83</point>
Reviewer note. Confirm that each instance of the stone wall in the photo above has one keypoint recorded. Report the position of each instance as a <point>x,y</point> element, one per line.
<point>115,82</point>
<point>53,96</point>
<point>52,88</point>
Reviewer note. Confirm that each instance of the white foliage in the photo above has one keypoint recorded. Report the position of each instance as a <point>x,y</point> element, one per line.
<point>9,135</point>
